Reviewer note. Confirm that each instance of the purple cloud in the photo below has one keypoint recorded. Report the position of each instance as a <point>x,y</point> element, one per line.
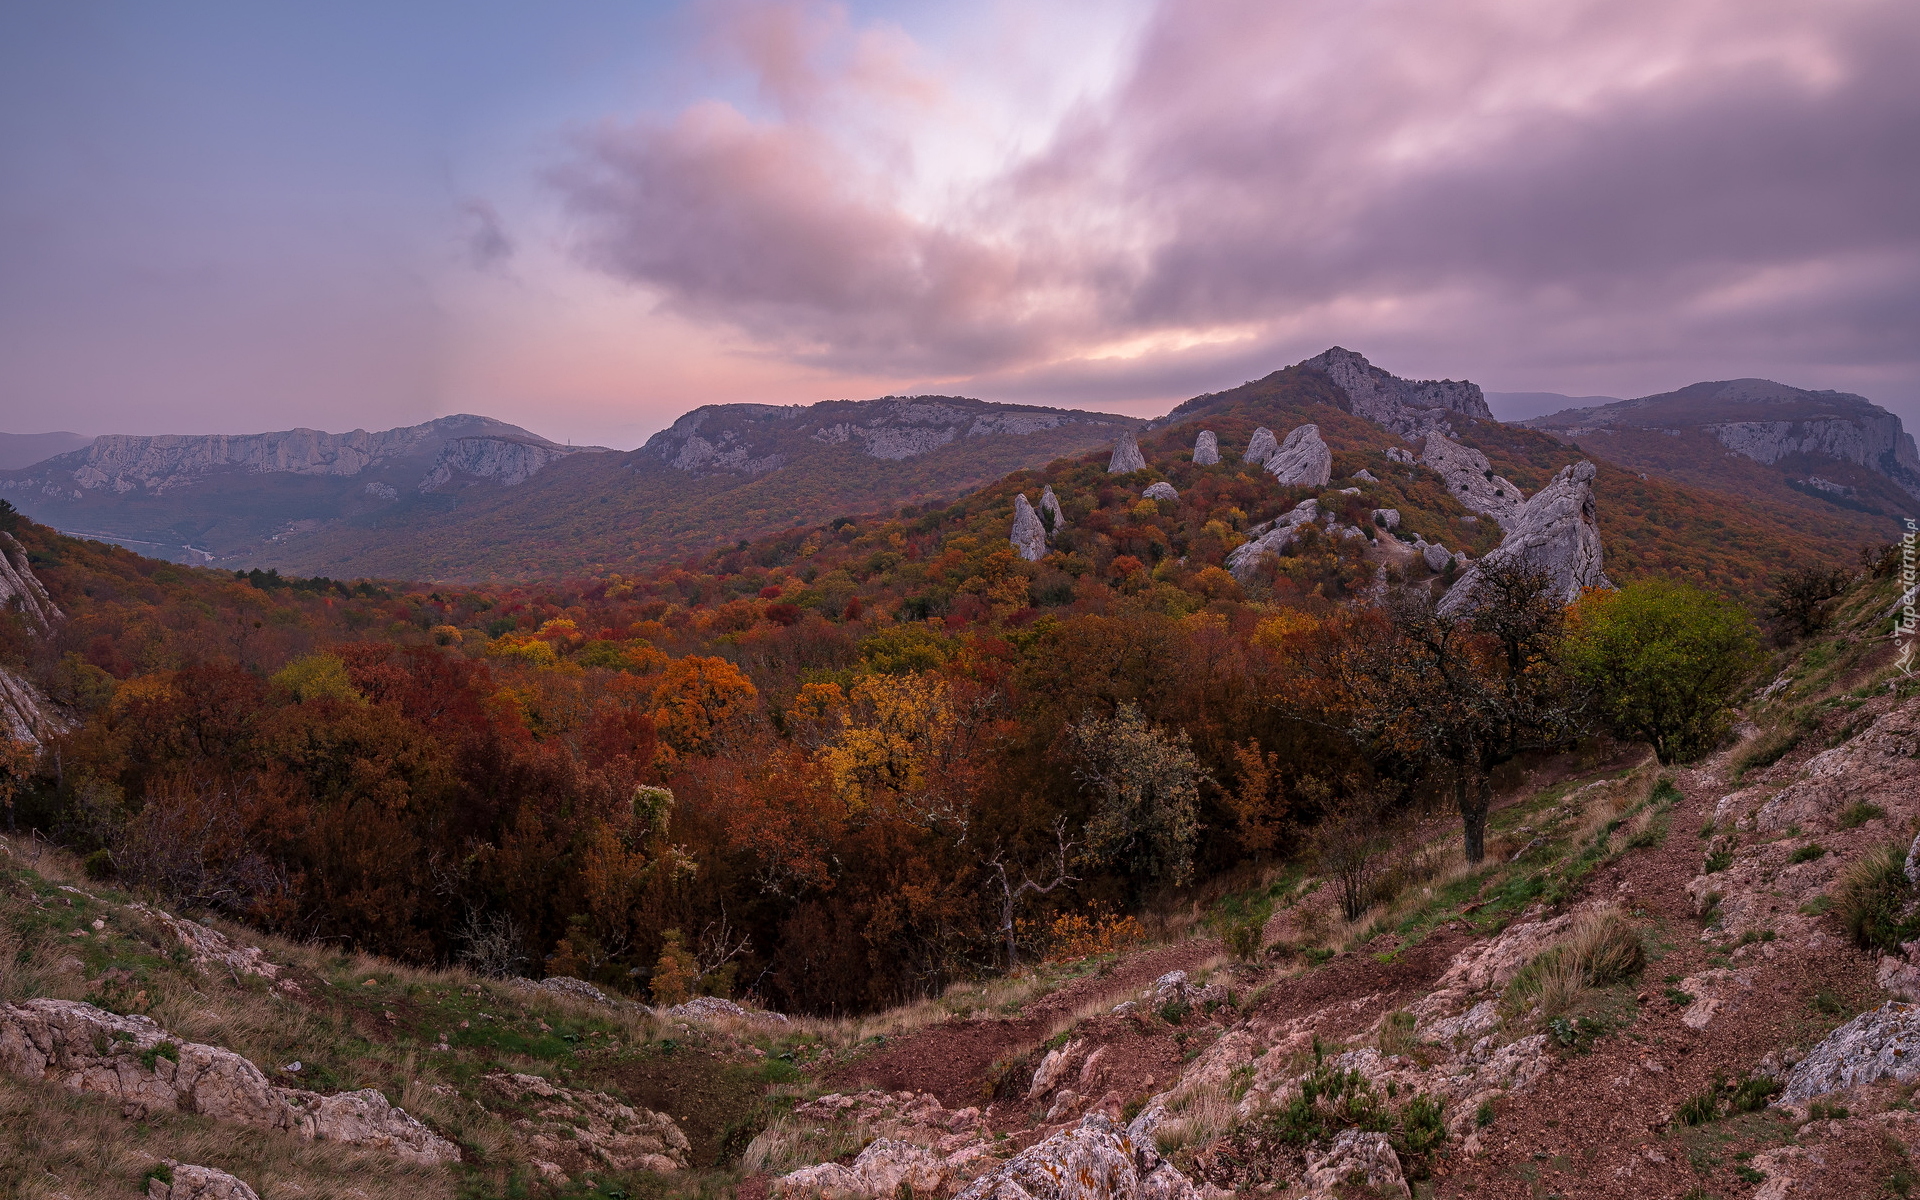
<point>1612,192</point>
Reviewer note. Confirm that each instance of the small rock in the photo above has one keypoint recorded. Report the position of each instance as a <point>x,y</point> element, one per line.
<point>1161,490</point>
<point>1357,1157</point>
<point>186,1182</point>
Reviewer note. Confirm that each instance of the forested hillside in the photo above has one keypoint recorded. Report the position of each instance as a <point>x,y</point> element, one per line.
<point>808,761</point>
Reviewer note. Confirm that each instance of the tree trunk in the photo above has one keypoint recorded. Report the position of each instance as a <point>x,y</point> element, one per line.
<point>1475,796</point>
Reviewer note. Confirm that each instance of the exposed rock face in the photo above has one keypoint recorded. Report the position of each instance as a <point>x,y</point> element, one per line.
<point>1095,1160</point>
<point>506,461</point>
<point>1471,480</point>
<point>1245,558</point>
<point>1882,1044</point>
<point>1558,532</point>
<point>1206,449</point>
<point>574,1130</point>
<point>1408,407</point>
<point>1029,536</point>
<point>1396,454</point>
<point>198,1183</point>
<point>21,591</point>
<point>1050,505</point>
<point>26,715</point>
<point>1261,446</point>
<point>1161,490</point>
<point>123,463</point>
<point>752,439</point>
<point>1126,456</point>
<point>134,1061</point>
<point>1766,422</point>
<point>1357,1157</point>
<point>209,949</point>
<point>935,1150</point>
<point>1387,518</point>
<point>1303,460</point>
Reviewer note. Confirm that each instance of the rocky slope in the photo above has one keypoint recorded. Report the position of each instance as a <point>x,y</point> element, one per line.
<point>1592,1013</point>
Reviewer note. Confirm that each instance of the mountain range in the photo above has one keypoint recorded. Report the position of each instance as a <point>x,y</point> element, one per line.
<point>468,497</point>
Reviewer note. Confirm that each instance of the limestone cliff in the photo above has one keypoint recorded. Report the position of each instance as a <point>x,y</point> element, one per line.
<point>754,439</point>
<point>505,461</point>
<point>1406,406</point>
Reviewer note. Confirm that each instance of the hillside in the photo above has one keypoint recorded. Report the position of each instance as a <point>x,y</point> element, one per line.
<point>1659,984</point>
<point>719,475</point>
<point>1830,457</point>
<point>232,499</point>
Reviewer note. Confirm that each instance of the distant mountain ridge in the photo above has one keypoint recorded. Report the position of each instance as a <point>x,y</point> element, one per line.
<point>208,497</point>
<point>1829,444</point>
<point>24,449</point>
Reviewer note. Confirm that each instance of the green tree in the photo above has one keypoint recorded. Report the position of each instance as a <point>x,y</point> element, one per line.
<point>1148,786</point>
<point>1662,661</point>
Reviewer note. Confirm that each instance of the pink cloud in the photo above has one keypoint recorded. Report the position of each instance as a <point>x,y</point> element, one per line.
<point>1681,184</point>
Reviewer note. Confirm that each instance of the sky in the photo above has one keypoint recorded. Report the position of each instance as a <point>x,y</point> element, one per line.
<point>587,217</point>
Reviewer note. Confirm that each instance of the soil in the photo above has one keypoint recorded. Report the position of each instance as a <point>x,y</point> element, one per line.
<point>716,1104</point>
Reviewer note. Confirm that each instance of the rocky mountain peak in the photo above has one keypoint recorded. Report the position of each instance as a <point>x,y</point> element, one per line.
<point>1406,406</point>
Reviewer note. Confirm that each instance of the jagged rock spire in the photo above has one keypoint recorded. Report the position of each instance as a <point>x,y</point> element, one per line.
<point>1261,447</point>
<point>1050,506</point>
<point>1303,460</point>
<point>1126,456</point>
<point>1558,531</point>
<point>1029,536</point>
<point>1206,449</point>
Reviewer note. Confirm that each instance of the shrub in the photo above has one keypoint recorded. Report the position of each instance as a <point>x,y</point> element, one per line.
<point>1242,938</point>
<point>1808,853</point>
<point>1874,900</point>
<point>1664,660</point>
<point>1329,1100</point>
<point>1423,1129</point>
<point>1753,1094</point>
<point>1718,861</point>
<point>99,864</point>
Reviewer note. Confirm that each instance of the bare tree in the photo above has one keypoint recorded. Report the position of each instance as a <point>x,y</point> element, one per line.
<point>492,944</point>
<point>1011,892</point>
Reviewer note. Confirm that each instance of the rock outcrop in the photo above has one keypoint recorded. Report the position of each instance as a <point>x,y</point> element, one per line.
<point>210,950</point>
<point>1260,447</point>
<point>1437,557</point>
<point>1359,1159</point>
<point>1161,490</point>
<point>132,1060</point>
<point>1271,541</point>
<point>26,715</point>
<point>934,1149</point>
<point>182,1181</point>
<point>572,1130</point>
<point>1050,508</point>
<point>1408,407</point>
<point>1094,1160</point>
<point>1206,449</point>
<point>1386,518</point>
<point>1877,1045</point>
<point>1029,536</point>
<point>21,591</point>
<point>1303,460</point>
<point>1471,481</point>
<point>505,461</point>
<point>1396,454</point>
<point>1126,456</point>
<point>1558,532</point>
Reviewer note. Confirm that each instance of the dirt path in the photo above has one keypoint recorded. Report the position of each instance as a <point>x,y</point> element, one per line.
<point>954,1059</point>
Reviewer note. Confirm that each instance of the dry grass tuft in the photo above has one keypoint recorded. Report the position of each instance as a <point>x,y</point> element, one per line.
<point>1606,946</point>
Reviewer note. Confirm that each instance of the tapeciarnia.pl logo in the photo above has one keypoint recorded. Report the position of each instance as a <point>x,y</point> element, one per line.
<point>1907,656</point>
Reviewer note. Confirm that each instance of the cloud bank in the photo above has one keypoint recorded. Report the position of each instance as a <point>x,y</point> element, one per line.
<point>1593,194</point>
